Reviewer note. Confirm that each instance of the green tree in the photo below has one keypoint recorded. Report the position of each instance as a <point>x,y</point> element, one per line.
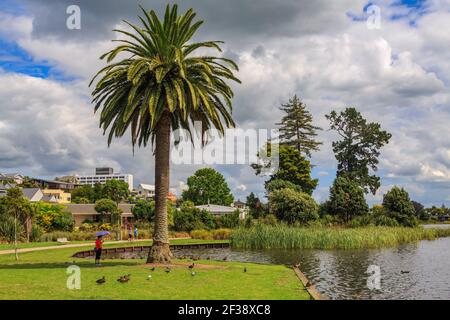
<point>292,206</point>
<point>277,184</point>
<point>144,210</point>
<point>116,190</point>
<point>51,217</point>
<point>420,211</point>
<point>190,218</point>
<point>399,206</point>
<point>18,212</point>
<point>296,128</point>
<point>359,148</point>
<point>347,199</point>
<point>207,186</point>
<point>84,192</point>
<point>294,168</point>
<point>163,86</point>
<point>255,207</point>
<point>106,207</point>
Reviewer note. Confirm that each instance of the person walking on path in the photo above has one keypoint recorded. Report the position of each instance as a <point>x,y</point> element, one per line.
<point>136,232</point>
<point>130,233</point>
<point>98,250</point>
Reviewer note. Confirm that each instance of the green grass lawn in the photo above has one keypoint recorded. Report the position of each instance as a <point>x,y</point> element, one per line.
<point>8,246</point>
<point>42,275</point>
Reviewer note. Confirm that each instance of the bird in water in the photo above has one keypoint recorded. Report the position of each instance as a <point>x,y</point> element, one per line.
<point>297,265</point>
<point>101,280</point>
<point>404,271</point>
<point>124,279</point>
<point>308,284</point>
<point>191,266</point>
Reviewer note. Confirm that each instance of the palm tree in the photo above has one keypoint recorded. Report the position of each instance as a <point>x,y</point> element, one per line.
<point>160,86</point>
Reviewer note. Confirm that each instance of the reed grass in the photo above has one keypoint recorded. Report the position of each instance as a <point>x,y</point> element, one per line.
<point>285,237</point>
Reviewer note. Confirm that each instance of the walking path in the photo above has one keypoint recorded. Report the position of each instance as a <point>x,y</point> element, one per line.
<point>76,245</point>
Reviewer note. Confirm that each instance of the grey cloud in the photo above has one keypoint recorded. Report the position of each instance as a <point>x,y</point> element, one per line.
<point>236,20</point>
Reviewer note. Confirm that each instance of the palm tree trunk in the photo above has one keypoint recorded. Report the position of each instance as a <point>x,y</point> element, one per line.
<point>160,251</point>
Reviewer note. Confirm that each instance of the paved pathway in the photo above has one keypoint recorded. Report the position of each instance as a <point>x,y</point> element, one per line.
<point>75,245</point>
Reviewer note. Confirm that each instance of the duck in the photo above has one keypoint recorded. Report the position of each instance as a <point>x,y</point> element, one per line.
<point>404,271</point>
<point>153,269</point>
<point>101,280</point>
<point>308,284</point>
<point>225,258</point>
<point>167,270</point>
<point>245,269</point>
<point>124,279</point>
<point>297,265</point>
<point>191,266</point>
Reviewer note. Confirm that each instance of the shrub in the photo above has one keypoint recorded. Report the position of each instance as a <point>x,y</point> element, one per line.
<point>71,236</point>
<point>36,233</point>
<point>221,234</point>
<point>399,207</point>
<point>328,220</point>
<point>347,199</point>
<point>7,228</point>
<point>176,234</point>
<point>270,219</point>
<point>201,234</point>
<point>230,220</point>
<point>291,206</point>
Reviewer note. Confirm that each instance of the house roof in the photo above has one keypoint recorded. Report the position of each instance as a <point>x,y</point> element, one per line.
<point>89,209</point>
<point>7,186</point>
<point>10,175</point>
<point>30,192</point>
<point>49,198</point>
<point>216,209</point>
<point>148,187</point>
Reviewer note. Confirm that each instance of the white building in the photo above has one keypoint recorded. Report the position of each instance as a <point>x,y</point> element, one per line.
<point>12,177</point>
<point>104,174</point>
<point>218,210</point>
<point>145,191</point>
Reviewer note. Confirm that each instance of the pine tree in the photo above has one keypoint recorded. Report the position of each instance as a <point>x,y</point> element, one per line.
<point>296,128</point>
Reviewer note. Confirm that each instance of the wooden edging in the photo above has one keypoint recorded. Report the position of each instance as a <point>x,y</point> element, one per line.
<point>89,253</point>
<point>308,286</point>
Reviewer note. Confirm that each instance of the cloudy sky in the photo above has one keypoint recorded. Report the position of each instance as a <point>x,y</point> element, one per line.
<point>322,50</point>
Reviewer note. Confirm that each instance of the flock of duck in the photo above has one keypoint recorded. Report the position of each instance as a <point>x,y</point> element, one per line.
<point>127,277</point>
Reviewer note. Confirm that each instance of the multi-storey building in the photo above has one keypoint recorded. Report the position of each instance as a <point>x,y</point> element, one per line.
<point>104,174</point>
